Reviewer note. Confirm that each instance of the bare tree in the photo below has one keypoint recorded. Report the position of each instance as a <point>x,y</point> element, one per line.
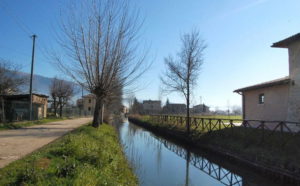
<point>137,107</point>
<point>182,73</point>
<point>114,106</point>
<point>61,92</point>
<point>10,81</point>
<point>53,93</point>
<point>99,40</point>
<point>130,100</point>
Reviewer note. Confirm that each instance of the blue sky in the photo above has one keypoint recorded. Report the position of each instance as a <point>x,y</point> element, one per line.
<point>238,34</point>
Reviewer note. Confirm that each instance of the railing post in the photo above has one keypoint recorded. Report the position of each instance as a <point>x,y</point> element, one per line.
<point>209,130</point>
<point>231,125</point>
<point>181,122</point>
<point>195,123</point>
<point>281,133</point>
<point>263,130</point>
<point>202,121</point>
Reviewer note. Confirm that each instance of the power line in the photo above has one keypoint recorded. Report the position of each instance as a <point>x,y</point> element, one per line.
<point>18,21</point>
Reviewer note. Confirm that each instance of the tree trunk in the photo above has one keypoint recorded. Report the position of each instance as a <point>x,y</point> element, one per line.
<point>60,107</point>
<point>188,110</point>
<point>98,113</point>
<point>55,106</point>
<point>3,111</point>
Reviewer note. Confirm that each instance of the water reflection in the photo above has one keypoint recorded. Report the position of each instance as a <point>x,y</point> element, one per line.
<point>157,161</point>
<point>215,171</point>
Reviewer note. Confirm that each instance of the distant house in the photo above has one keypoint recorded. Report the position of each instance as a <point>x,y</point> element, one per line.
<point>151,106</point>
<point>16,107</point>
<point>87,103</point>
<point>174,108</point>
<point>199,109</point>
<point>277,99</point>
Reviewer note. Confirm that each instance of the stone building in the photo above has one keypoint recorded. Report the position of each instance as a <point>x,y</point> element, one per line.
<point>16,107</point>
<point>87,104</point>
<point>174,108</point>
<point>277,100</point>
<point>200,109</point>
<point>151,106</point>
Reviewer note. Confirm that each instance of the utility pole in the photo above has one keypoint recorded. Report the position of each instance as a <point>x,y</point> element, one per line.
<point>31,76</point>
<point>82,102</point>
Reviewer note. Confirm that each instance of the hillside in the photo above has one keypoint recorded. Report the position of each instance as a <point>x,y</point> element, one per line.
<point>41,85</point>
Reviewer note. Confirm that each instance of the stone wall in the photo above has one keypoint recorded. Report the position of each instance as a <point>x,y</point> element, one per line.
<point>294,92</point>
<point>273,109</point>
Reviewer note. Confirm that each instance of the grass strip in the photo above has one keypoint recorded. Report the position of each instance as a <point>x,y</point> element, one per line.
<point>86,156</point>
<point>21,124</point>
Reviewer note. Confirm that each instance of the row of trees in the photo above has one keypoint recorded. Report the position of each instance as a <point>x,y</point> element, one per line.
<point>61,92</point>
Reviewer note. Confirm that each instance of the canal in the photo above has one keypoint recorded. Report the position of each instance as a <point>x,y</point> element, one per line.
<point>160,162</point>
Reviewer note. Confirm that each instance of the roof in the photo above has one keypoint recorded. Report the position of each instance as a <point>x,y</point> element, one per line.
<point>177,104</point>
<point>201,105</point>
<point>286,42</point>
<point>151,101</point>
<point>89,96</point>
<point>276,82</point>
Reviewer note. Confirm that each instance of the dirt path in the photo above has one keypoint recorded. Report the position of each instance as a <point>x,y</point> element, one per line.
<point>14,144</point>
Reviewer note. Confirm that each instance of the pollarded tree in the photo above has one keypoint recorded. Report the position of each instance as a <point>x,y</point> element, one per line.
<point>99,46</point>
<point>182,73</point>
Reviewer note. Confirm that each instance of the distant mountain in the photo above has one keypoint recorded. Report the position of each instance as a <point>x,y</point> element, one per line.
<point>42,84</point>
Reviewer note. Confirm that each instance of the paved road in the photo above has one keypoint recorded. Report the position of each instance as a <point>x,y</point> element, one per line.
<point>14,144</point>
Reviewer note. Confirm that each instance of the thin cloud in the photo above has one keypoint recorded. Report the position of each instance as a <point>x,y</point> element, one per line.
<point>245,7</point>
<point>249,6</point>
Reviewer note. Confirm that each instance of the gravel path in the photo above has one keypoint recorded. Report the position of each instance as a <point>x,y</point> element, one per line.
<point>14,144</point>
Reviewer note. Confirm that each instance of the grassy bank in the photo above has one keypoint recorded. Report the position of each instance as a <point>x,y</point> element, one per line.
<point>227,117</point>
<point>86,156</point>
<point>274,151</point>
<point>21,124</point>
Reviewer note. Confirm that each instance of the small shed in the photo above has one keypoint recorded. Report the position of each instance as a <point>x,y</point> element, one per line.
<point>16,107</point>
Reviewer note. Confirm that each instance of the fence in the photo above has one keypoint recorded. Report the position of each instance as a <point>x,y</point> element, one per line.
<point>282,131</point>
<point>71,112</point>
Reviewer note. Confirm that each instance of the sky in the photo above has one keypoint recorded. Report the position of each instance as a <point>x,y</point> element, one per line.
<point>238,35</point>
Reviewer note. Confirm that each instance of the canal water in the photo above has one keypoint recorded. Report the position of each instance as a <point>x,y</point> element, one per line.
<point>160,162</point>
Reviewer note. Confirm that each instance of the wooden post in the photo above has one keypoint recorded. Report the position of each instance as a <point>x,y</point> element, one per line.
<point>263,130</point>
<point>231,126</point>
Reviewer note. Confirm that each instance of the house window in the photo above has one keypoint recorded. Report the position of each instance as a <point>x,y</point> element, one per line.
<point>90,100</point>
<point>89,108</point>
<point>261,99</point>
